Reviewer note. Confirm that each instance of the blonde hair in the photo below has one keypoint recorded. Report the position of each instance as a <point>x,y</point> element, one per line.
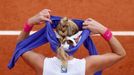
<point>66,27</point>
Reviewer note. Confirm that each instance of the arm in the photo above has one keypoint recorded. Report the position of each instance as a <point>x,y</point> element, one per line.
<point>42,16</point>
<point>99,62</point>
<point>30,56</point>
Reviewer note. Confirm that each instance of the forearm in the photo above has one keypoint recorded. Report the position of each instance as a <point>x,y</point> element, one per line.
<point>99,62</point>
<point>115,45</point>
<point>42,16</point>
<point>24,34</point>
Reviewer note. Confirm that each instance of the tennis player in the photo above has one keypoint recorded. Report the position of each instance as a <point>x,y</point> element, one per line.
<point>63,64</point>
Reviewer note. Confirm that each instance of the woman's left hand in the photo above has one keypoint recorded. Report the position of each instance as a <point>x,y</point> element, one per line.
<point>94,26</point>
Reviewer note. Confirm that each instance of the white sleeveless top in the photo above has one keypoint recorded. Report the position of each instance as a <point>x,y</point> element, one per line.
<point>52,66</point>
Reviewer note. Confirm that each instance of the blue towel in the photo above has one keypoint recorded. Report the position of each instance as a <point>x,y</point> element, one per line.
<point>46,35</point>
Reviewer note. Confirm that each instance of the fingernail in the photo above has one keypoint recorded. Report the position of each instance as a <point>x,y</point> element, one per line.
<point>89,20</point>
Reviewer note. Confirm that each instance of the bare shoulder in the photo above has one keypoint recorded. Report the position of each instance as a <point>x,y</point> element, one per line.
<point>96,63</point>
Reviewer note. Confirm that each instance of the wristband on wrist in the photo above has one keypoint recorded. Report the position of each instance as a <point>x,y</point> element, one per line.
<point>27,27</point>
<point>107,35</point>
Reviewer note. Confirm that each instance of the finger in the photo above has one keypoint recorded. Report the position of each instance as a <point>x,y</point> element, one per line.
<point>41,22</point>
<point>85,27</point>
<point>47,10</point>
<point>46,14</point>
<point>83,23</point>
<point>46,19</point>
<point>88,19</point>
<point>86,23</point>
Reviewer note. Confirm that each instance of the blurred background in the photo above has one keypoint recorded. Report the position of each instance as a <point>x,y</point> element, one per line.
<point>118,15</point>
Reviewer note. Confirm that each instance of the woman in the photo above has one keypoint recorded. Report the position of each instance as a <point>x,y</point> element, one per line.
<point>88,65</point>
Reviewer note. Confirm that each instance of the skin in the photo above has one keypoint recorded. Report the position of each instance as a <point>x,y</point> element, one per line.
<point>93,63</point>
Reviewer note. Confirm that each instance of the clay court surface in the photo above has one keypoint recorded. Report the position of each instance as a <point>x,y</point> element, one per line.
<point>118,15</point>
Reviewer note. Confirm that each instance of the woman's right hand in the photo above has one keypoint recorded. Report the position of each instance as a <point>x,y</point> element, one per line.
<point>42,16</point>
